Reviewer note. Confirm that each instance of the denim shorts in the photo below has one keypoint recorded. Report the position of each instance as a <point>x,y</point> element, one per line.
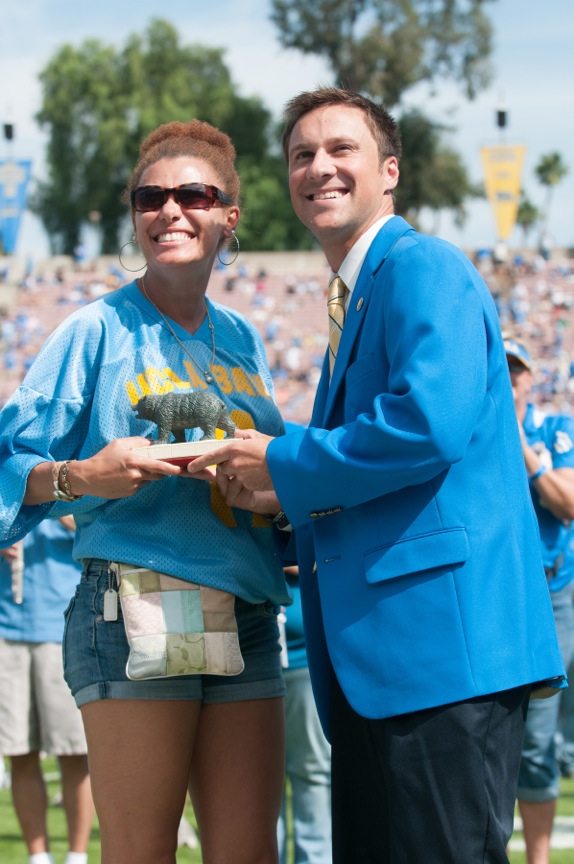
<point>96,652</point>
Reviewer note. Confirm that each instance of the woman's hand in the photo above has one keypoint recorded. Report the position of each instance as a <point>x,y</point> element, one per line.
<point>116,471</point>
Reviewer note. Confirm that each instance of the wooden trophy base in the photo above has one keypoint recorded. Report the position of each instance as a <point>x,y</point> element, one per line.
<point>181,454</point>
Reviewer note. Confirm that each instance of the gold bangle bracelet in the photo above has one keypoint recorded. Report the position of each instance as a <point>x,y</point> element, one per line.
<point>56,466</point>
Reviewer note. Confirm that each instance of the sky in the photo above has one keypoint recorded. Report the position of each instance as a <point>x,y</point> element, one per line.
<point>533,60</point>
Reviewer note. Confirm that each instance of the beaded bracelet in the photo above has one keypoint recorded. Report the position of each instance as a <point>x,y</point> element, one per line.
<point>62,488</point>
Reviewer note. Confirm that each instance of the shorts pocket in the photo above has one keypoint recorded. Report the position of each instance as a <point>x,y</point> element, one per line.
<point>67,615</point>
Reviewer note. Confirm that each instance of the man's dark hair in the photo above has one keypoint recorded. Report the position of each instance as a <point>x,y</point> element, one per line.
<point>383,127</point>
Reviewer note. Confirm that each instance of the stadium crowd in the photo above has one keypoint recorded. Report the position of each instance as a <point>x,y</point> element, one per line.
<point>535,300</point>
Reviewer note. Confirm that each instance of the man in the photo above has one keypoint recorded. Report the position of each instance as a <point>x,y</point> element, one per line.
<point>548,450</point>
<point>37,711</point>
<point>427,615</point>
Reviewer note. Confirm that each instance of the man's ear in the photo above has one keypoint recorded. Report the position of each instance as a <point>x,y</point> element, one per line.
<point>391,172</point>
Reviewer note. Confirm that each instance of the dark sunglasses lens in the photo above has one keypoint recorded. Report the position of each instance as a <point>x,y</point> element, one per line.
<point>191,196</point>
<point>149,199</point>
<point>195,197</point>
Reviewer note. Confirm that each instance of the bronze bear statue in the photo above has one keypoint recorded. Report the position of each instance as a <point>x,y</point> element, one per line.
<point>176,412</point>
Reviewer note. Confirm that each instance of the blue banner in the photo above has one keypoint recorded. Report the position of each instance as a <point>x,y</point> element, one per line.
<point>14,178</point>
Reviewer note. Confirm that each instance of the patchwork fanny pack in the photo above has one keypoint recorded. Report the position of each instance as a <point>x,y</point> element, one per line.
<point>174,627</point>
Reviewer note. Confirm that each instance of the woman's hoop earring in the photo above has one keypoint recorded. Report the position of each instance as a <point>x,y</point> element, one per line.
<point>234,259</point>
<point>131,242</point>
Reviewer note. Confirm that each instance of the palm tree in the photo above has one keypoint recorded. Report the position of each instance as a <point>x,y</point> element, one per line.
<point>527,216</point>
<point>550,171</point>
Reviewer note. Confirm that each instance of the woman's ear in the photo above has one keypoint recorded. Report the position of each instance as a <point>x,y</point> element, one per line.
<point>232,219</point>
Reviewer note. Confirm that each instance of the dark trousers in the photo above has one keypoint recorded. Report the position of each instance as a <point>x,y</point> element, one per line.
<point>432,787</point>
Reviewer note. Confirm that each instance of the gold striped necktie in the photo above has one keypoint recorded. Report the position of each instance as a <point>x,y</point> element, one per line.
<point>336,308</point>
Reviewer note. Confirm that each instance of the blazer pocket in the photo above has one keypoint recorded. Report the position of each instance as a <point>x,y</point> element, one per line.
<point>365,365</point>
<point>441,549</point>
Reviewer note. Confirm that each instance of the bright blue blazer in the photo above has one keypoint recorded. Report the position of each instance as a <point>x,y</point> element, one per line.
<point>418,547</point>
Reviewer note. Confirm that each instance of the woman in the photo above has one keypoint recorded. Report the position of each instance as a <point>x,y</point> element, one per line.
<point>71,434</point>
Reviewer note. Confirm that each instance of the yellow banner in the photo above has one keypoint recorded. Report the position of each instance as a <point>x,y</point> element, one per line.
<point>502,176</point>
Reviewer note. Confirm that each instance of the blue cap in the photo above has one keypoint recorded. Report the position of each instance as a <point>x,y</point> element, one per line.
<point>518,351</point>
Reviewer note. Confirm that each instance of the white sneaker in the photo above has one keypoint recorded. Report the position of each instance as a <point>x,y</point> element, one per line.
<point>186,835</point>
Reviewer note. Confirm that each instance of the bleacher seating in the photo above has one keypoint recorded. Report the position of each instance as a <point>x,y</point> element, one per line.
<point>287,309</point>
<point>535,301</point>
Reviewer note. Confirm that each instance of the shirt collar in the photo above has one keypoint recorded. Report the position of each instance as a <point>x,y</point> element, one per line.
<point>351,266</point>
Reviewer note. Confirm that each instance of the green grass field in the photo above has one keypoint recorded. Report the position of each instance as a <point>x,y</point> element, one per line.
<point>13,850</point>
<point>565,808</point>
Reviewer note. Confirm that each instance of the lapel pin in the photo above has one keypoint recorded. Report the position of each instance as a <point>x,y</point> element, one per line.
<point>360,304</point>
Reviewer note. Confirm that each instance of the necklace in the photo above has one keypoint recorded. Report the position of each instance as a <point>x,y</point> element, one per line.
<point>205,372</point>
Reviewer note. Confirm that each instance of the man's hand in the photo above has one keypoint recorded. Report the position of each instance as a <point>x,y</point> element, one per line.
<point>236,495</point>
<point>10,553</point>
<point>243,459</point>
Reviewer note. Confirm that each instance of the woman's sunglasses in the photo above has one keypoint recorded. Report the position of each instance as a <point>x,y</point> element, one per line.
<point>189,196</point>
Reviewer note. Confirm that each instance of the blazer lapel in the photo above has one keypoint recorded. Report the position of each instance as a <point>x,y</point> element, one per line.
<point>321,395</point>
<point>375,258</point>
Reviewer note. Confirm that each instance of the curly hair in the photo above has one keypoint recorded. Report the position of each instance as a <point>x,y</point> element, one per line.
<point>194,139</point>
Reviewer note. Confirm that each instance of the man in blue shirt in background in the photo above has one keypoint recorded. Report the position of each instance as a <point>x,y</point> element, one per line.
<point>308,753</point>
<point>548,449</point>
<point>37,712</point>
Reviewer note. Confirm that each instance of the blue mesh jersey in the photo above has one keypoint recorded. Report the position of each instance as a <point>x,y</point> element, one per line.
<point>552,436</point>
<point>79,395</point>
